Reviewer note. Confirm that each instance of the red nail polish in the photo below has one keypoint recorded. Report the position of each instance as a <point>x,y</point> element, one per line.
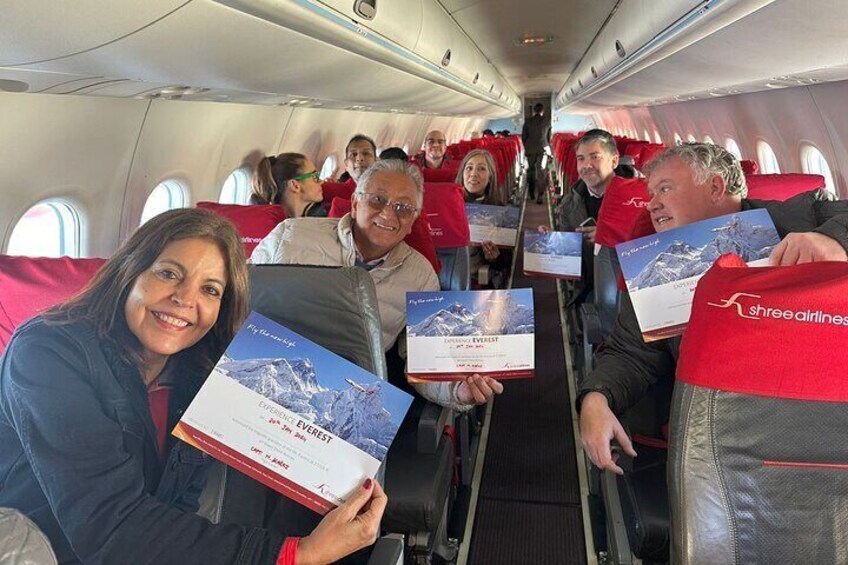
<point>367,484</point>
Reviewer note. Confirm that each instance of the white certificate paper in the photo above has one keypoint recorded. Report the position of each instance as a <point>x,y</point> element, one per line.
<point>662,270</point>
<point>451,335</point>
<point>498,224</point>
<point>553,254</point>
<point>294,416</point>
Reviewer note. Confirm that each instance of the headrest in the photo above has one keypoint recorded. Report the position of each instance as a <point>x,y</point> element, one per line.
<point>624,201</point>
<point>783,186</point>
<point>649,151</point>
<point>443,174</point>
<point>763,331</point>
<point>30,285</point>
<point>419,238</point>
<point>337,189</point>
<point>252,222</point>
<point>445,204</point>
<point>749,167</point>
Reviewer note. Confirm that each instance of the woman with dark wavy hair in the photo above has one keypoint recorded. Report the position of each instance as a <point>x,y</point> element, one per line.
<point>90,390</point>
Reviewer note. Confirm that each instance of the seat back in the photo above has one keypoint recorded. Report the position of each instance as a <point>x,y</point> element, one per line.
<point>252,222</point>
<point>30,285</point>
<point>456,268</point>
<point>749,167</point>
<point>442,174</point>
<point>782,186</point>
<point>757,451</point>
<point>445,213</point>
<point>331,190</point>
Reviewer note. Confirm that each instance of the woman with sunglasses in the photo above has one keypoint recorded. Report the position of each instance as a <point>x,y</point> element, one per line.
<point>291,181</point>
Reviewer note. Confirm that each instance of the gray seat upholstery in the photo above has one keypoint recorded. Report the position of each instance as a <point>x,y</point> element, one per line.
<point>456,268</point>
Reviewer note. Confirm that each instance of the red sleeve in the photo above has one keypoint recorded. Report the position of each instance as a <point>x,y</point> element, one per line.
<point>288,553</point>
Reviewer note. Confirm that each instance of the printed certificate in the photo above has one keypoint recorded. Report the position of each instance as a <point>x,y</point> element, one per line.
<point>498,224</point>
<point>294,416</point>
<point>554,254</point>
<point>662,270</point>
<point>451,335</point>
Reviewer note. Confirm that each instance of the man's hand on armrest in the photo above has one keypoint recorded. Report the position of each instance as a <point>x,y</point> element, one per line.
<point>478,389</point>
<point>598,427</point>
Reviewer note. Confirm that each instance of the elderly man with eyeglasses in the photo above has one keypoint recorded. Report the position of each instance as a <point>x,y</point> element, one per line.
<point>386,202</point>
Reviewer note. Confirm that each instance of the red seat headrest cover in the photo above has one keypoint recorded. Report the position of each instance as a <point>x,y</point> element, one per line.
<point>445,210</point>
<point>419,238</point>
<point>252,222</point>
<point>30,285</point>
<point>332,190</point>
<point>782,186</point>
<point>442,174</point>
<point>749,167</point>
<point>762,331</point>
<point>624,201</point>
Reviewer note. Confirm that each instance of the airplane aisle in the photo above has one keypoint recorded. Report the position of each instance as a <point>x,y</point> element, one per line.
<point>528,510</point>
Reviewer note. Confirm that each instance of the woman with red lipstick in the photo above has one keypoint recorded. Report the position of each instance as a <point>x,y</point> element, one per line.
<point>478,177</point>
<point>90,390</point>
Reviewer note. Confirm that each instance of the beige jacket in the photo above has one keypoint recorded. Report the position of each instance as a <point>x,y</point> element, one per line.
<point>329,242</point>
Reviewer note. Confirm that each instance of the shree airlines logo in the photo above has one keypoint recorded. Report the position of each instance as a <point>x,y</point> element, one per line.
<point>636,202</point>
<point>757,311</point>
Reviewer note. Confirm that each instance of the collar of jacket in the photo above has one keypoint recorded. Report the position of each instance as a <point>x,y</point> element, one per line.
<point>394,258</point>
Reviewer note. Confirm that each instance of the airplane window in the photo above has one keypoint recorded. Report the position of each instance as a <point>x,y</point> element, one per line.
<point>166,196</point>
<point>328,169</point>
<point>237,187</point>
<point>708,139</point>
<point>646,136</point>
<point>731,145</point>
<point>691,138</point>
<point>48,229</point>
<point>814,163</point>
<point>677,139</point>
<point>406,148</point>
<point>657,137</point>
<point>767,158</point>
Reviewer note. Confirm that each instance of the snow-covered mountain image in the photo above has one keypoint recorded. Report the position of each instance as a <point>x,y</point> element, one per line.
<point>354,413</point>
<point>495,216</point>
<point>493,313</point>
<point>681,259</point>
<point>553,243</point>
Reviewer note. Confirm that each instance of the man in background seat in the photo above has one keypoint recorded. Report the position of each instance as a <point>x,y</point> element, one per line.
<point>689,183</point>
<point>387,200</point>
<point>360,153</point>
<point>435,145</point>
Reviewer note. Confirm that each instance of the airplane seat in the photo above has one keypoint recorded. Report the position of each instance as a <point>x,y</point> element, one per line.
<point>782,186</point>
<point>22,542</point>
<point>649,151</point>
<point>253,222</point>
<point>337,308</point>
<point>757,451</point>
<point>419,238</point>
<point>332,189</point>
<point>448,226</point>
<point>442,174</point>
<point>29,285</point>
<point>749,167</point>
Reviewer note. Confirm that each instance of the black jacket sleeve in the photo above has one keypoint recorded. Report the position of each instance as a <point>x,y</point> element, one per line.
<point>832,220</point>
<point>95,489</point>
<point>627,366</point>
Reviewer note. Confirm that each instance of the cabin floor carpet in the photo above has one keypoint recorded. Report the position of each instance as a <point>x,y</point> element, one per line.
<point>528,510</point>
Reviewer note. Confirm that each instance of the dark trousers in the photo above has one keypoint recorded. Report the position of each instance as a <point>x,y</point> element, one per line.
<point>535,174</point>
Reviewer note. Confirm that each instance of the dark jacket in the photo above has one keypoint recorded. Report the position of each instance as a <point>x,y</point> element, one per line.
<point>570,213</point>
<point>536,134</point>
<point>627,366</point>
<point>78,455</point>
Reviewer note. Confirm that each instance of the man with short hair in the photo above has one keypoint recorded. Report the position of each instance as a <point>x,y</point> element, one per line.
<point>689,183</point>
<point>536,134</point>
<point>386,202</point>
<point>435,146</point>
<point>360,153</point>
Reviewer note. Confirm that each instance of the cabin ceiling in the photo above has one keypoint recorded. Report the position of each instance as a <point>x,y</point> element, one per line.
<point>496,25</point>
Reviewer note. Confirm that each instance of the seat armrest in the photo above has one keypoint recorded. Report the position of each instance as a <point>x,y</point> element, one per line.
<point>388,550</point>
<point>431,426</point>
<point>618,544</point>
<point>591,323</point>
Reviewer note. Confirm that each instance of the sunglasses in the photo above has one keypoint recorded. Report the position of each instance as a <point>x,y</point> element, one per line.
<point>378,203</point>
<point>314,175</point>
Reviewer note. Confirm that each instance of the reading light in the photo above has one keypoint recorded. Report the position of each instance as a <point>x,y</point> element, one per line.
<point>537,40</point>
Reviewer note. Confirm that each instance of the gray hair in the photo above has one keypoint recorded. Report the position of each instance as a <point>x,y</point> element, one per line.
<point>393,166</point>
<point>705,160</point>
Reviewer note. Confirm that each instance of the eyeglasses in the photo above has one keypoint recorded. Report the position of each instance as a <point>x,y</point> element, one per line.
<point>435,141</point>
<point>378,203</point>
<point>314,175</point>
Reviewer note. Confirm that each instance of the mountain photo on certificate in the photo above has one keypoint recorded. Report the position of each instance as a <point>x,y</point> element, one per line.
<point>662,270</point>
<point>553,254</point>
<point>498,224</point>
<point>456,333</point>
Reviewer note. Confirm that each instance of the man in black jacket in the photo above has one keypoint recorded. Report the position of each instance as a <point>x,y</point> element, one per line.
<point>535,135</point>
<point>689,183</point>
